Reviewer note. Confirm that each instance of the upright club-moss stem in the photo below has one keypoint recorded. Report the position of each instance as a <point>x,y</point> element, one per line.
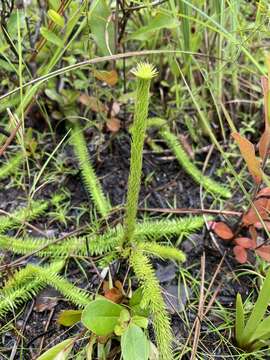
<point>144,73</point>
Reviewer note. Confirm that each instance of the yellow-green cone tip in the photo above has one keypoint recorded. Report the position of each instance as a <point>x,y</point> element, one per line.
<point>144,71</point>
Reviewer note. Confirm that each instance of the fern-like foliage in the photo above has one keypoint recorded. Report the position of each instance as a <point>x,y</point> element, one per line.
<point>22,286</point>
<point>153,300</point>
<point>156,229</point>
<point>71,292</point>
<point>30,212</point>
<point>36,208</point>
<point>26,283</point>
<point>102,244</point>
<point>11,165</point>
<point>184,160</point>
<point>89,176</point>
<point>163,251</point>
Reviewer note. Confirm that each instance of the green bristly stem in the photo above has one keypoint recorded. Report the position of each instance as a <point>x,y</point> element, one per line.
<point>144,73</point>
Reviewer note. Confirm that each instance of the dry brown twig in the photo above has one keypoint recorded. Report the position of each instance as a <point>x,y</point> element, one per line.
<point>12,134</point>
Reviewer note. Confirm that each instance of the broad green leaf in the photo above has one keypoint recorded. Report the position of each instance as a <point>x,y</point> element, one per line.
<point>56,18</point>
<point>160,21</point>
<point>101,27</point>
<point>69,317</point>
<point>101,316</point>
<point>51,37</point>
<point>59,351</point>
<point>239,319</point>
<point>134,344</point>
<point>258,311</point>
<point>263,330</point>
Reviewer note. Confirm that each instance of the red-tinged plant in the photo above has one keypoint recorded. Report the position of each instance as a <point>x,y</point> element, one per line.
<point>240,254</point>
<point>257,216</point>
<point>250,220</point>
<point>222,230</point>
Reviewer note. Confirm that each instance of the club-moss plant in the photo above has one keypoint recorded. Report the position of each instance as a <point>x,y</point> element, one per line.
<point>88,173</point>
<point>184,161</point>
<point>134,241</point>
<point>140,263</point>
<point>101,244</point>
<point>144,73</point>
<point>11,165</point>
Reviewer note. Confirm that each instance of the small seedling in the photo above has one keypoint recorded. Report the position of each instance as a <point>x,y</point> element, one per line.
<point>107,320</point>
<point>255,333</point>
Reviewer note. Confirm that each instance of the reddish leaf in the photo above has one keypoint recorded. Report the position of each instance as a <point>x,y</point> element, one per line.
<point>187,146</point>
<point>222,230</point>
<point>240,254</point>
<point>259,225</point>
<point>245,242</point>
<point>254,235</point>
<point>47,299</point>
<point>248,152</point>
<point>93,103</point>
<point>119,286</point>
<point>264,143</point>
<point>114,295</point>
<point>113,125</point>
<point>264,252</point>
<point>265,87</point>
<point>265,138</point>
<point>115,109</point>
<point>109,77</point>
<point>263,206</point>
<point>265,192</point>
